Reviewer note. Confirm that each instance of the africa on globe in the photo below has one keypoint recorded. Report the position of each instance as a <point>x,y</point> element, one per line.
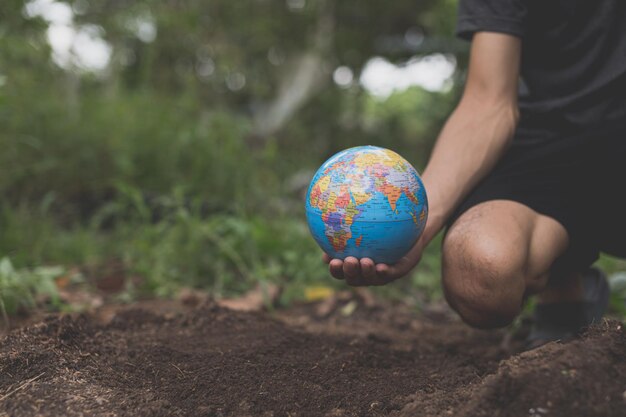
<point>366,202</point>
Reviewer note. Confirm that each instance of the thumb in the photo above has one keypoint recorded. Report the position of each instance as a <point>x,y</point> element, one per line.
<point>397,270</point>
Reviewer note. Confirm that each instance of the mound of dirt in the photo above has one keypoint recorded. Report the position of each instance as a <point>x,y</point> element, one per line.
<point>377,361</point>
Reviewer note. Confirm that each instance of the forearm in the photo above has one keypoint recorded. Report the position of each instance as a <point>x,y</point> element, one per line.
<point>476,135</point>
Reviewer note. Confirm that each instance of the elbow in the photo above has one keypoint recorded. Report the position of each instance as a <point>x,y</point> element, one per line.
<point>495,96</point>
<point>500,112</point>
<point>499,106</point>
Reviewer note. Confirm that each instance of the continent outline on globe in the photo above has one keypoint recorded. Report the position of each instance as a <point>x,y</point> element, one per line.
<point>364,199</point>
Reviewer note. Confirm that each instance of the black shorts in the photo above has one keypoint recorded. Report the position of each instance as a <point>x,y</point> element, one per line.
<point>576,176</point>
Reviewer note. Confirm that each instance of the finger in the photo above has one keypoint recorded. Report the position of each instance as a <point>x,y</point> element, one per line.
<point>335,267</point>
<point>356,282</point>
<point>351,267</point>
<point>406,264</point>
<point>368,270</point>
<point>326,258</point>
<point>370,275</point>
<point>382,270</point>
<point>352,271</point>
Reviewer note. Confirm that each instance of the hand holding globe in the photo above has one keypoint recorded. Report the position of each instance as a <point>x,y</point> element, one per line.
<point>366,208</point>
<point>364,272</point>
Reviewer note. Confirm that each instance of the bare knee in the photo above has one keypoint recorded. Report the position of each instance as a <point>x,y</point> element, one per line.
<point>483,278</point>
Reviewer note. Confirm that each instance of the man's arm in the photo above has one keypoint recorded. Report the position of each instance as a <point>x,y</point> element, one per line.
<point>475,136</point>
<point>480,128</point>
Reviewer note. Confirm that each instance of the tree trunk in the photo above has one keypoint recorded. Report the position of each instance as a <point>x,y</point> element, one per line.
<point>305,76</point>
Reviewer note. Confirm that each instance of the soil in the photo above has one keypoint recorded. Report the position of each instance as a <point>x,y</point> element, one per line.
<point>354,359</point>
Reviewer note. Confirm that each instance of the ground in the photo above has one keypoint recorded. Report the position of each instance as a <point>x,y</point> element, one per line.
<point>351,357</point>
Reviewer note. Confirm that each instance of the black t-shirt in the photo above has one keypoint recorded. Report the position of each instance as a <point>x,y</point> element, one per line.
<point>573,66</point>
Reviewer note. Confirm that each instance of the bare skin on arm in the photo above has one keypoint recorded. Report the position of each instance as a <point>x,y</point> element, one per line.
<point>471,142</point>
<point>500,251</point>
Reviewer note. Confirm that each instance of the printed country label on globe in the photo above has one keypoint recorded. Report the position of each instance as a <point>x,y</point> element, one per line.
<point>366,202</point>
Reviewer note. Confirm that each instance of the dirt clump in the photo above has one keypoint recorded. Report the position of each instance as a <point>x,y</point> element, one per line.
<point>377,361</point>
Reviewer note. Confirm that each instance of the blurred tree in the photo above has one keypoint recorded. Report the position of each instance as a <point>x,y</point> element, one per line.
<point>179,135</point>
<point>190,84</point>
<point>264,58</point>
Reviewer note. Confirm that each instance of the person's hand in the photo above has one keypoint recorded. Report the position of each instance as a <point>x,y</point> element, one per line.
<point>363,272</point>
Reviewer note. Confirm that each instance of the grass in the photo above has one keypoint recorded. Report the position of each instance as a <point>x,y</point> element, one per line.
<point>225,254</point>
<point>178,195</point>
<point>20,287</point>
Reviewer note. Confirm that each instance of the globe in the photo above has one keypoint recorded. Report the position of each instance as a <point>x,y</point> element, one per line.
<point>366,202</point>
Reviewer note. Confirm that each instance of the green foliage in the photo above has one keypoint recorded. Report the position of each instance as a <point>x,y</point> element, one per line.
<point>225,254</point>
<point>615,268</point>
<point>18,288</point>
<point>155,160</point>
<point>153,143</point>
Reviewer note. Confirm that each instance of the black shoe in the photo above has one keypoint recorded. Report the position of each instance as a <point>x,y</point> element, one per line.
<point>565,320</point>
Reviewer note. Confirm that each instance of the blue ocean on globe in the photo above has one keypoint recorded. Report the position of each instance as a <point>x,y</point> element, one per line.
<point>366,202</point>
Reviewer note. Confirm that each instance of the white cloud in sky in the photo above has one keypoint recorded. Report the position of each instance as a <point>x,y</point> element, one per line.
<point>432,72</point>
